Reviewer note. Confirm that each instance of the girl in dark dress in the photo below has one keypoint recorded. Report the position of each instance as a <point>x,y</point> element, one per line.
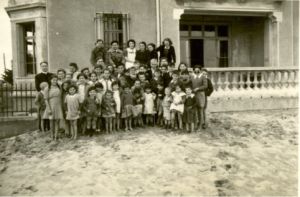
<point>190,113</point>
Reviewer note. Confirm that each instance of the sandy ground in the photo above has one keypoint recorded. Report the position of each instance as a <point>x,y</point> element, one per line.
<point>246,153</point>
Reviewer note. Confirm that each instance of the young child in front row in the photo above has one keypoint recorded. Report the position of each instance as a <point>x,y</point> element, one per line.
<point>177,106</point>
<point>190,113</point>
<point>166,107</point>
<point>99,94</point>
<point>108,110</point>
<point>72,102</point>
<point>138,101</point>
<point>90,106</point>
<point>117,98</point>
<point>127,106</point>
<point>159,100</point>
<point>149,101</point>
<point>41,105</point>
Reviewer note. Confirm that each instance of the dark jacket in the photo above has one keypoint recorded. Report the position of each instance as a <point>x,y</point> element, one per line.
<point>142,57</point>
<point>97,53</point>
<point>41,77</point>
<point>171,56</point>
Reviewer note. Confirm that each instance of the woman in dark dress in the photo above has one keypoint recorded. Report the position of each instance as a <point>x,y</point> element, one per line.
<point>167,50</point>
<point>152,52</point>
<point>142,55</point>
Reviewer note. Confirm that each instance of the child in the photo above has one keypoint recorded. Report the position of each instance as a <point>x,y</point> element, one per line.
<point>108,110</point>
<point>41,105</point>
<point>64,92</point>
<point>166,107</point>
<point>142,78</point>
<point>93,79</point>
<point>127,105</point>
<point>117,98</point>
<point>53,110</point>
<point>82,91</point>
<point>98,71</point>
<point>106,80</point>
<point>174,82</point>
<point>74,70</point>
<point>99,94</point>
<point>72,102</point>
<point>86,72</point>
<point>149,99</point>
<point>90,107</point>
<point>177,106</point>
<point>156,80</point>
<point>189,114</point>
<point>138,101</point>
<point>159,108</point>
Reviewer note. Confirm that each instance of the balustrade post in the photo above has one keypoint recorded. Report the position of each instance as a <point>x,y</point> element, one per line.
<point>234,81</point>
<point>219,82</point>
<point>248,82</point>
<point>226,82</point>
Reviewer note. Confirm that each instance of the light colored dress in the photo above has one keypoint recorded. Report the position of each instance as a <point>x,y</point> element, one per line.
<point>149,103</point>
<point>166,103</point>
<point>53,96</point>
<point>73,106</point>
<point>177,98</point>
<point>116,95</point>
<point>131,53</point>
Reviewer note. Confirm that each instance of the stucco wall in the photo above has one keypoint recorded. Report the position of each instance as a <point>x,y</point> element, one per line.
<point>71,27</point>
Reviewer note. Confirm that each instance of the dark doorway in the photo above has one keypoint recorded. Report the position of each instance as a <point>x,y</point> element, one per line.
<point>196,49</point>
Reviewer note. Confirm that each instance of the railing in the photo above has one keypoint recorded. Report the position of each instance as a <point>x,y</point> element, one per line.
<point>254,82</point>
<point>17,100</point>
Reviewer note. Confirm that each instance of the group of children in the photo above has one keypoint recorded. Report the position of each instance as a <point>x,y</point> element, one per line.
<point>112,98</point>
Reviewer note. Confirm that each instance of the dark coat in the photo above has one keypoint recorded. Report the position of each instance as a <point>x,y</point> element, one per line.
<point>171,56</point>
<point>142,56</point>
<point>96,54</point>
<point>41,77</point>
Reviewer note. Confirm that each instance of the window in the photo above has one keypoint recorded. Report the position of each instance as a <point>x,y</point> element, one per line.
<point>113,27</point>
<point>28,50</point>
<point>223,59</point>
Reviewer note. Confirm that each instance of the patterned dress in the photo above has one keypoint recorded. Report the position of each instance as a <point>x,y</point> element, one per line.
<point>53,96</point>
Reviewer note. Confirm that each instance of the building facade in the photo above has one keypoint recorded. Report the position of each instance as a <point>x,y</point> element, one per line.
<point>222,35</point>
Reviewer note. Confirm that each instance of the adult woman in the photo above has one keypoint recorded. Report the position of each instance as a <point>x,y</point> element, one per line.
<point>152,51</point>
<point>130,54</point>
<point>182,67</point>
<point>61,74</point>
<point>142,55</point>
<point>167,50</point>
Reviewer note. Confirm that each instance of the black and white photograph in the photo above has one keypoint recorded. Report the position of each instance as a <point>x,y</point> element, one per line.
<point>149,97</point>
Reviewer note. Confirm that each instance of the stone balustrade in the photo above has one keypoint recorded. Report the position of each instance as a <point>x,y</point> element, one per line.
<point>254,82</point>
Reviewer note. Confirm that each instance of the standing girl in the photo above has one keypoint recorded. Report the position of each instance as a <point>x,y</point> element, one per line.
<point>127,105</point>
<point>177,106</point>
<point>190,113</point>
<point>61,74</point>
<point>72,102</point>
<point>167,50</point>
<point>53,110</point>
<point>108,110</point>
<point>166,107</point>
<point>64,92</point>
<point>152,52</point>
<point>90,107</point>
<point>117,98</point>
<point>149,100</point>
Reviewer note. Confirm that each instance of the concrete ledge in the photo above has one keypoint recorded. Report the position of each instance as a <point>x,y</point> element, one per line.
<point>222,105</point>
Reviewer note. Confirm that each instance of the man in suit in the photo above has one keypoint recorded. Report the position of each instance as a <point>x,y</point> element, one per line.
<point>199,84</point>
<point>153,67</point>
<point>44,76</point>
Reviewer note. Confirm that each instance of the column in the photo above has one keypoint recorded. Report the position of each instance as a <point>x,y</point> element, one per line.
<point>276,19</point>
<point>176,16</point>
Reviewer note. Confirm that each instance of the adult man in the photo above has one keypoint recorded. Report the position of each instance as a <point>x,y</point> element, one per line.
<point>153,65</point>
<point>199,84</point>
<point>43,76</point>
<point>98,52</point>
<point>115,55</point>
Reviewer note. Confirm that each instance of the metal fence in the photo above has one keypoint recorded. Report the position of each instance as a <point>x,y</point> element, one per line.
<point>17,100</point>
